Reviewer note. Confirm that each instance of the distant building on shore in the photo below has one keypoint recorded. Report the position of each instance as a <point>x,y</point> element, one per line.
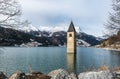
<point>71,39</point>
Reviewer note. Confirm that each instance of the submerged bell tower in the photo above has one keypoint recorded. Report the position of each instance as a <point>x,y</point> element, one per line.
<point>71,39</point>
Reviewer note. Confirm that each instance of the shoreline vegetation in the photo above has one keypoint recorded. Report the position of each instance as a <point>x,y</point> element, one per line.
<point>111,43</point>
<point>102,73</point>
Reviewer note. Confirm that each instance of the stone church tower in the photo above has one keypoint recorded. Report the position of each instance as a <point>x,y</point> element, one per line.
<point>71,39</point>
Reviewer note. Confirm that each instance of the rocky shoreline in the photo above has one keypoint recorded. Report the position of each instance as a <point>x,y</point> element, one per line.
<point>108,48</point>
<point>63,74</point>
<point>112,49</point>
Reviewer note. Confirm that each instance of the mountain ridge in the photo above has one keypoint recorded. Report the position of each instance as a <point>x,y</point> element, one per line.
<point>48,38</point>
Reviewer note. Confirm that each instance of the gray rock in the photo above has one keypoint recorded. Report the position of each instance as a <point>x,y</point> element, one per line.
<point>61,74</point>
<point>116,75</point>
<point>2,76</point>
<point>33,75</point>
<point>37,75</point>
<point>72,76</point>
<point>95,75</point>
<point>17,75</point>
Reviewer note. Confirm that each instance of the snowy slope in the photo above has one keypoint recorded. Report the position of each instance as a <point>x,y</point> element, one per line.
<point>58,34</point>
<point>28,28</point>
<point>82,43</point>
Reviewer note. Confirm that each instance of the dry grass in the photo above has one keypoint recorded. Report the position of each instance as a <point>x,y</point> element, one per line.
<point>103,68</point>
<point>117,69</point>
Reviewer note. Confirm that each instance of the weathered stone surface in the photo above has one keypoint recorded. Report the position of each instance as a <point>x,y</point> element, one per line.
<point>37,75</point>
<point>33,75</point>
<point>18,75</point>
<point>72,76</point>
<point>95,75</point>
<point>116,75</point>
<point>2,76</point>
<point>61,74</point>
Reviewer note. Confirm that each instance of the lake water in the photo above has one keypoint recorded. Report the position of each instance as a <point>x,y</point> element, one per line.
<point>46,59</point>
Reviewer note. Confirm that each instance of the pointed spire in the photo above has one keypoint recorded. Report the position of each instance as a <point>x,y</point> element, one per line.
<point>71,27</point>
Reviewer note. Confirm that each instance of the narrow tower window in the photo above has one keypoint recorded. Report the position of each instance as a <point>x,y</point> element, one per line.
<point>70,35</point>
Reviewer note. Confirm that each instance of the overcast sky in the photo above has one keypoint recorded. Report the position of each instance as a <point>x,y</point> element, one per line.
<point>90,15</point>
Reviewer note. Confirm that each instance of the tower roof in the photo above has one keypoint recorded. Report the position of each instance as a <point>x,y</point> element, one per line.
<point>71,27</point>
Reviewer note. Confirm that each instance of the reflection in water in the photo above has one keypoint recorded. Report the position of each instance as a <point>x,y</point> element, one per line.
<point>115,52</point>
<point>46,59</point>
<point>2,49</point>
<point>71,62</point>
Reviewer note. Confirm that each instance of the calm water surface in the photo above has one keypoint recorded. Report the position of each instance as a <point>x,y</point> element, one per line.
<point>46,59</point>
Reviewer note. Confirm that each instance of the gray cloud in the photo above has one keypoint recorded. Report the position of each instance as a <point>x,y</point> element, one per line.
<point>84,13</point>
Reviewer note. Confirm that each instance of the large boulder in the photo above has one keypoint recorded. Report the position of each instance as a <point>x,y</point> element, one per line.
<point>2,76</point>
<point>96,75</point>
<point>18,75</point>
<point>61,74</point>
<point>33,75</point>
<point>72,76</point>
<point>37,75</point>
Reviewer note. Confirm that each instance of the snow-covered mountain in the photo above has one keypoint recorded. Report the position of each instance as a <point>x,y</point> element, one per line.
<point>57,35</point>
<point>82,43</point>
<point>30,27</point>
